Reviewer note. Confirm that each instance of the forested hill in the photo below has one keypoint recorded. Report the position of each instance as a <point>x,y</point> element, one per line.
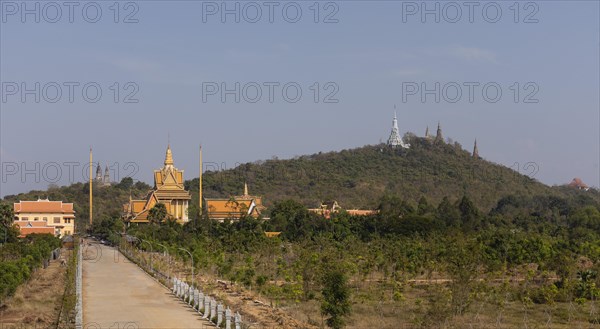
<point>358,178</point>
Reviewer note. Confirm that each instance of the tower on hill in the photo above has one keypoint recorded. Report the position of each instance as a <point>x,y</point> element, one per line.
<point>102,180</point>
<point>475,151</point>
<point>395,141</point>
<point>438,137</point>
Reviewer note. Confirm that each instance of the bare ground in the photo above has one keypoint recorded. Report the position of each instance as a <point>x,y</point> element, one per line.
<point>36,303</point>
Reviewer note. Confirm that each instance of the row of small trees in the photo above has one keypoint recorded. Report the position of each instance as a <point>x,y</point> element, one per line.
<point>20,257</point>
<point>321,259</point>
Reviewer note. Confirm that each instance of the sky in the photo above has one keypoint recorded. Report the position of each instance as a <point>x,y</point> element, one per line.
<point>255,80</point>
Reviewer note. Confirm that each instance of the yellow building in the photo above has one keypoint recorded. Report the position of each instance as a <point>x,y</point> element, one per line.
<point>168,190</point>
<point>235,207</point>
<point>332,207</point>
<point>55,214</point>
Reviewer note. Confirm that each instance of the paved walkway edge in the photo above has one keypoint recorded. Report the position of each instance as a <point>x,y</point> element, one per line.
<point>78,284</point>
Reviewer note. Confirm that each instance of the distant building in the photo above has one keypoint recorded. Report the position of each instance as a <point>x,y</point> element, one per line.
<point>332,207</point>
<point>235,207</point>
<point>578,184</point>
<point>28,227</point>
<point>44,216</point>
<point>438,136</point>
<point>427,135</point>
<point>168,190</point>
<point>475,151</point>
<point>102,180</point>
<point>395,140</point>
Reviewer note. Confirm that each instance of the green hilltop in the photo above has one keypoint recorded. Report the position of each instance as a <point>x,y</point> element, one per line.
<point>356,178</point>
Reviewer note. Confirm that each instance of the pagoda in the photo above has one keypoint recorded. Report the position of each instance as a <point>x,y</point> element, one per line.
<point>395,141</point>
<point>168,190</point>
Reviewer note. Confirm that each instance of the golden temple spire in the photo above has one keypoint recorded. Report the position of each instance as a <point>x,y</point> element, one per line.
<point>169,156</point>
<point>245,189</point>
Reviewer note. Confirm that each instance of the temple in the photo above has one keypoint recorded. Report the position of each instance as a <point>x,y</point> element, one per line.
<point>327,209</point>
<point>168,190</point>
<point>235,207</point>
<point>438,137</point>
<point>102,180</point>
<point>475,151</point>
<point>395,141</point>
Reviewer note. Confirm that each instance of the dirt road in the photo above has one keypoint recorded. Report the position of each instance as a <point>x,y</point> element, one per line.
<point>118,294</point>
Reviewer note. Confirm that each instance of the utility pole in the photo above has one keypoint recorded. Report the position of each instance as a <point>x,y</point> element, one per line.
<point>91,218</point>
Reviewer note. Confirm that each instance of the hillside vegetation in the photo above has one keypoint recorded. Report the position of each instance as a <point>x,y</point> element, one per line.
<point>358,178</point>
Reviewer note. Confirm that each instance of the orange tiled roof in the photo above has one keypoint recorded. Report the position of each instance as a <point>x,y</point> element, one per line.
<point>25,231</point>
<point>232,208</point>
<point>577,182</point>
<point>360,212</point>
<point>43,206</point>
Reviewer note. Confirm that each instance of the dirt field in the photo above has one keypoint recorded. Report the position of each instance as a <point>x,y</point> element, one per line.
<point>36,304</point>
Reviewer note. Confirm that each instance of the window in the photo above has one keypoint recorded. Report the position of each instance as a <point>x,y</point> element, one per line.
<point>45,219</point>
<point>67,221</point>
<point>56,220</point>
<point>25,218</point>
<point>36,218</point>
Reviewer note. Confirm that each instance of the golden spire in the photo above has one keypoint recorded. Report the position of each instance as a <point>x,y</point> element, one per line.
<point>245,189</point>
<point>169,157</point>
<point>200,185</point>
<point>91,193</point>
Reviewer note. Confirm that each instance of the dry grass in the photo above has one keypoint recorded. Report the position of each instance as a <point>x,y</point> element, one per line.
<point>416,312</point>
<point>36,303</point>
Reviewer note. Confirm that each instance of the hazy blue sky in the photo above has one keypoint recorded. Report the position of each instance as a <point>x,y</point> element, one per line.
<point>368,54</point>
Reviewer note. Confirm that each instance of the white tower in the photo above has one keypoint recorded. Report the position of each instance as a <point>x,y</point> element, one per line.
<point>395,140</point>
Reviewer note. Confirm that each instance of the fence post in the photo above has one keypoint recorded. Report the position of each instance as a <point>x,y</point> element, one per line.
<point>213,309</point>
<point>228,318</point>
<point>219,314</point>
<point>206,307</point>
<point>238,320</point>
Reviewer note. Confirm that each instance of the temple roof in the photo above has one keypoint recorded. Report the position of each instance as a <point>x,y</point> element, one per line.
<point>43,206</point>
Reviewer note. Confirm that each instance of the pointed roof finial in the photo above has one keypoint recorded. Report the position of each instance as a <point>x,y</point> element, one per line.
<point>245,189</point>
<point>438,136</point>
<point>169,156</point>
<point>475,150</point>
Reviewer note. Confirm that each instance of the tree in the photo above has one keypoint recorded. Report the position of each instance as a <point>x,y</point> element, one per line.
<point>448,213</point>
<point>469,213</point>
<point>157,214</point>
<point>126,183</point>
<point>8,233</point>
<point>336,298</point>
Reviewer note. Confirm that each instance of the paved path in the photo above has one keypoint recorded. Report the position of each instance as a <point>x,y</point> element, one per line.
<point>118,294</point>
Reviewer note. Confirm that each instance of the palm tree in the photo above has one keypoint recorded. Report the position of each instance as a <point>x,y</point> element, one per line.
<point>157,214</point>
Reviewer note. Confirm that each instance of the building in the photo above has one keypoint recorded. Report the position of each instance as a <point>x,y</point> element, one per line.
<point>439,138</point>
<point>332,207</point>
<point>28,227</point>
<point>476,151</point>
<point>578,184</point>
<point>102,180</point>
<point>395,140</point>
<point>45,216</point>
<point>168,190</point>
<point>235,207</point>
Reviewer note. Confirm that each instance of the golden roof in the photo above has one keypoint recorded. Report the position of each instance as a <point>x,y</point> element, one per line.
<point>169,156</point>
